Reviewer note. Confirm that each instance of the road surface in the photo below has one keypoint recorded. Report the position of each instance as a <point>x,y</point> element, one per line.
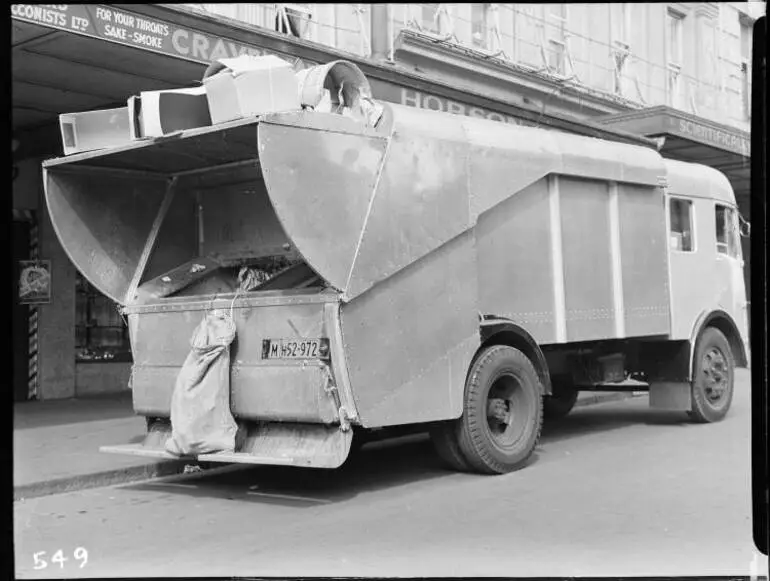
<point>615,489</point>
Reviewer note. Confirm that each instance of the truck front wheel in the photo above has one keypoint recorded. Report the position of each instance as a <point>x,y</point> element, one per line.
<point>502,413</point>
<point>713,377</point>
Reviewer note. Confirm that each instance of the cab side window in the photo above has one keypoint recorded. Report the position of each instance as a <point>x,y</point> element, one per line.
<point>681,225</point>
<point>727,231</point>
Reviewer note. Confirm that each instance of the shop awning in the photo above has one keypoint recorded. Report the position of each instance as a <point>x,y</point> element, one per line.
<point>693,139</point>
<point>55,71</point>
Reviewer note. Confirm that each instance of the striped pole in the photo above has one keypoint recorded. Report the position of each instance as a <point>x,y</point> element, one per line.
<point>34,254</point>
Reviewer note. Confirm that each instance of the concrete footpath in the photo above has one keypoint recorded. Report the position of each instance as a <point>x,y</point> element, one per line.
<point>56,444</point>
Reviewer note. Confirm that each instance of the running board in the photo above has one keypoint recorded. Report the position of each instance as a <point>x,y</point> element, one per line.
<point>630,385</point>
<point>306,445</point>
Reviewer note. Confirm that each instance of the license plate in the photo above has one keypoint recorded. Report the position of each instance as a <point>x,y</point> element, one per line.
<point>295,349</point>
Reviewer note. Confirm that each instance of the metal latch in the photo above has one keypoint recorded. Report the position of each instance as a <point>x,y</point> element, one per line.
<point>331,388</point>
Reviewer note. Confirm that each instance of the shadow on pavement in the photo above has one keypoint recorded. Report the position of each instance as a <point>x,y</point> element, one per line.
<point>386,465</point>
<point>382,465</point>
<point>593,420</point>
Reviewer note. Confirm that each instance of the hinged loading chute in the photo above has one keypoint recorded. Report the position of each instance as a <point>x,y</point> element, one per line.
<point>131,216</point>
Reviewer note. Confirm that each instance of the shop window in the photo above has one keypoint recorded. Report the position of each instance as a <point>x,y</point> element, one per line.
<point>101,333</point>
<point>728,242</point>
<point>681,225</point>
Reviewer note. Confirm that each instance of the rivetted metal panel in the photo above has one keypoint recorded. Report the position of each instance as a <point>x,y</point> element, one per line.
<point>607,160</point>
<point>152,389</point>
<point>159,355</point>
<point>410,339</point>
<point>321,184</point>
<point>239,221</point>
<point>153,346</point>
<point>514,262</point>
<point>505,160</point>
<point>643,244</point>
<point>102,223</point>
<point>587,262</point>
<point>177,238</point>
<point>421,200</point>
<point>264,393</point>
<point>282,393</point>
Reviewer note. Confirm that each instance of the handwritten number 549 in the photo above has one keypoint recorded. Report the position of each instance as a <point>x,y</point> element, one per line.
<point>80,554</point>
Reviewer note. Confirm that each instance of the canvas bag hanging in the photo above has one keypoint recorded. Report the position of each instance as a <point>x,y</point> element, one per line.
<point>201,421</point>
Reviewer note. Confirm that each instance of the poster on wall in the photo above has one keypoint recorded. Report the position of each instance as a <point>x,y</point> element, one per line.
<point>34,282</point>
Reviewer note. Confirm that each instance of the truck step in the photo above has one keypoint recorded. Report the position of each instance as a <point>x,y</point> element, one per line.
<point>307,445</point>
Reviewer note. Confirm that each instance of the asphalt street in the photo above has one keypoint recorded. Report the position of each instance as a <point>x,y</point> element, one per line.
<point>614,489</point>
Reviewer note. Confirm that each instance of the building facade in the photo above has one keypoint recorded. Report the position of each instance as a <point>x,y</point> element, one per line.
<point>671,75</point>
<point>694,57</point>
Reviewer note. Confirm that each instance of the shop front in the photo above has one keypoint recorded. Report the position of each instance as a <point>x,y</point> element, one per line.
<point>71,58</point>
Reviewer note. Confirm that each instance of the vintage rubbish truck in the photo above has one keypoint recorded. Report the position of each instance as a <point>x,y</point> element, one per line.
<point>455,273</point>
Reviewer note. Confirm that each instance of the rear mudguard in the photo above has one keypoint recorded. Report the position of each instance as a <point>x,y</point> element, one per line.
<point>501,331</point>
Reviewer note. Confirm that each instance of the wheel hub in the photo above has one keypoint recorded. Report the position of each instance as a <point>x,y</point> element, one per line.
<point>715,375</point>
<point>505,397</point>
<point>500,411</point>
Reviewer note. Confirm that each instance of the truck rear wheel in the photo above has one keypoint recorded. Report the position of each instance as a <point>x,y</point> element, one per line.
<point>713,377</point>
<point>503,412</point>
<point>444,438</point>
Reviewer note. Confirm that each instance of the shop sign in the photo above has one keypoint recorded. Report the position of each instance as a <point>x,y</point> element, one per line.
<point>708,135</point>
<point>422,100</point>
<point>119,26</point>
<point>34,282</point>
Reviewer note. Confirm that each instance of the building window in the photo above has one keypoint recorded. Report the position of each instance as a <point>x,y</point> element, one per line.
<point>681,225</point>
<point>674,28</point>
<point>728,242</point>
<point>431,18</point>
<point>621,23</point>
<point>621,29</point>
<point>746,69</point>
<point>480,25</point>
<point>101,333</point>
<point>293,19</point>
<point>557,38</point>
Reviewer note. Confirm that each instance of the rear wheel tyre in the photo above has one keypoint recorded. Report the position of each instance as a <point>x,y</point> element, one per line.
<point>560,403</point>
<point>503,411</point>
<point>444,438</point>
<point>713,377</point>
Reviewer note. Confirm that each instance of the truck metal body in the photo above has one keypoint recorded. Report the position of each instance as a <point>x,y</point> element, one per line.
<point>418,241</point>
